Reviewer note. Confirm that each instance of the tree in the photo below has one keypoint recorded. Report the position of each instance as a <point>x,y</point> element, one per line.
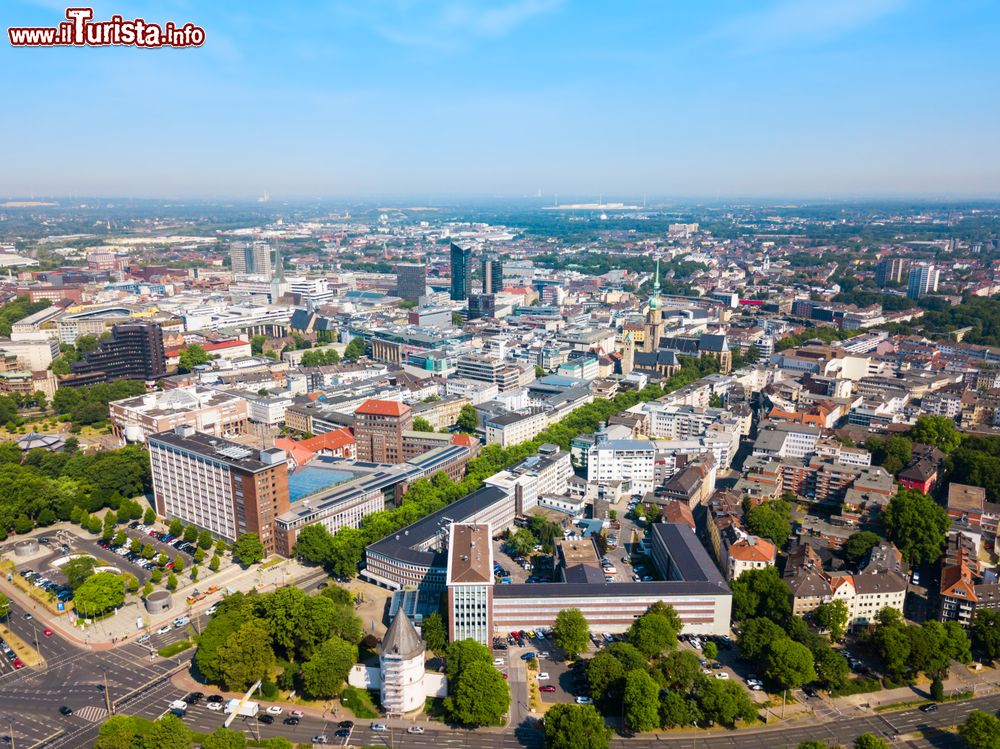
<point>168,732</point>
<point>571,632</point>
<point>831,667</point>
<point>214,563</point>
<point>756,637</point>
<point>191,357</point>
<point>117,732</point>
<point>769,522</point>
<point>99,593</point>
<point>725,702</point>
<point>434,633</point>
<point>324,674</point>
<point>641,700</point>
<point>149,517</point>
<point>812,745</point>
<point>521,542</point>
<point>832,617</point>
<point>78,569</point>
<point>761,593</point>
<point>710,650</point>
<point>857,546</point>
<point>604,675</point>
<point>938,431</point>
<point>478,697</point>
<point>677,710</point>
<point>248,549</point>
<point>981,730</point>
<point>917,525</point>
<point>575,726</point>
<point>468,418</point>
<point>653,634</point>
<point>680,671</point>
<point>171,581</point>
<point>245,656</point>
<point>176,527</point>
<point>790,663</point>
<point>869,741</point>
<point>224,738</point>
<point>190,534</point>
<point>462,653</point>
<point>4,606</point>
<point>354,350</point>
<point>420,424</point>
<point>986,632</point>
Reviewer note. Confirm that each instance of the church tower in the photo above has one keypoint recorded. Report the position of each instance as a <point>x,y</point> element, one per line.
<point>628,355</point>
<point>654,317</point>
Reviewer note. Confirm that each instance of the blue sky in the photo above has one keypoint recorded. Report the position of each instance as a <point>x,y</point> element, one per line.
<point>372,98</point>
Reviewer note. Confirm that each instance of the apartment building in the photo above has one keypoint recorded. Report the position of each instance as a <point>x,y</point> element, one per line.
<point>209,411</point>
<point>622,460</point>
<point>514,428</point>
<point>218,485</point>
<point>378,430</point>
<point>469,580</point>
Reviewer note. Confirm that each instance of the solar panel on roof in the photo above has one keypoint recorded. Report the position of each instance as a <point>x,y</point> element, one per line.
<point>236,452</point>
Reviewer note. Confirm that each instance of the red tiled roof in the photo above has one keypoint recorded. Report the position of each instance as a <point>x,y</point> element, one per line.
<point>223,345</point>
<point>759,551</point>
<point>466,440</point>
<point>333,440</point>
<point>382,408</point>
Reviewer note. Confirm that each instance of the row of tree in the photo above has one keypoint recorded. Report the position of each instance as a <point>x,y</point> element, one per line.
<point>89,404</point>
<point>170,732</point>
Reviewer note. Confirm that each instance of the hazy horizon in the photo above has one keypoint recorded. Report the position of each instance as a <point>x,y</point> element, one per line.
<point>786,100</point>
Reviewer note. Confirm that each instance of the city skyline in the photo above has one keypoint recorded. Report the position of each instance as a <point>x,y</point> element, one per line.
<point>770,99</point>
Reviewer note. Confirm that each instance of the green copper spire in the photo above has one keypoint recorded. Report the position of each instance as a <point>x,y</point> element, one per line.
<point>654,301</point>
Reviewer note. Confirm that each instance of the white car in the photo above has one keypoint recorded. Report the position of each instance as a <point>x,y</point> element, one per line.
<point>498,661</point>
<point>584,701</point>
<point>164,629</point>
<point>214,706</point>
<point>543,654</point>
<point>379,727</point>
<point>722,675</point>
<point>212,609</point>
<point>543,676</point>
<point>275,710</point>
<point>415,729</point>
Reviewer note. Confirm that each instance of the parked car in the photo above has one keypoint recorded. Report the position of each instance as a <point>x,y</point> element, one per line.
<point>291,721</point>
<point>546,688</point>
<point>543,676</point>
<point>265,719</point>
<point>584,700</point>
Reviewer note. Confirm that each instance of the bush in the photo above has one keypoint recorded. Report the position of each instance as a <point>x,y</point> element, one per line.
<point>359,702</point>
<point>269,690</point>
<point>856,686</point>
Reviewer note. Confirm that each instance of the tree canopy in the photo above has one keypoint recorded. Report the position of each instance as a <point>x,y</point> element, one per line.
<point>571,632</point>
<point>575,726</point>
<point>248,549</point>
<point>99,593</point>
<point>917,525</point>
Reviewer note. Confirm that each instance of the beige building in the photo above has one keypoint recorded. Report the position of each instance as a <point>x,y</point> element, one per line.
<point>209,411</point>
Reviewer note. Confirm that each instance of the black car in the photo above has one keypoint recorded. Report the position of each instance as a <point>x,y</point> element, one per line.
<point>343,732</point>
<point>66,710</point>
<point>293,721</point>
<point>930,707</point>
<point>809,691</point>
<point>265,718</point>
<point>215,698</point>
<point>346,724</point>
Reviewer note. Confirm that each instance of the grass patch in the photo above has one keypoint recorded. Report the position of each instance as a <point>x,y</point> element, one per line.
<point>857,686</point>
<point>25,652</point>
<point>169,651</point>
<point>359,702</point>
<point>271,562</point>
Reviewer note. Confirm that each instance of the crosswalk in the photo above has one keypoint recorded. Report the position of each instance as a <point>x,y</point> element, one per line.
<point>91,713</point>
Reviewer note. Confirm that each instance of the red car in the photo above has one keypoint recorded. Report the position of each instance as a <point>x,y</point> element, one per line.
<point>547,688</point>
<point>18,664</point>
<point>505,677</point>
<point>47,632</point>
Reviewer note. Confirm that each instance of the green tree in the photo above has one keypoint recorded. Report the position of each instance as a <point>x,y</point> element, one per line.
<point>324,674</point>
<point>756,637</point>
<point>917,525</point>
<point>214,563</point>
<point>420,424</point>
<point>604,675</point>
<point>678,710</point>
<point>193,356</point>
<point>521,542</point>
<point>314,544</point>
<point>761,593</point>
<point>224,738</point>
<point>653,634</point>
<point>478,696</point>
<point>869,741</point>
<point>725,702</point>
<point>461,653</point>
<point>171,581</point>
<point>857,546</point>
<point>575,726</point>
<point>710,650</point>
<point>4,606</point>
<point>149,516</point>
<point>986,632</point>
<point>832,617</point>
<point>176,528</point>
<point>641,701</point>
<point>981,730</point>
<point>117,732</point>
<point>78,569</point>
<point>790,663</point>
<point>939,431</point>
<point>571,632</point>
<point>770,522</point>
<point>190,534</point>
<point>468,418</point>
<point>434,633</point>
<point>354,350</point>
<point>813,745</point>
<point>246,656</point>
<point>99,593</point>
<point>248,549</point>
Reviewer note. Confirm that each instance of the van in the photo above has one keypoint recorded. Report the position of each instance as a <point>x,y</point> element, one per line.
<point>180,621</point>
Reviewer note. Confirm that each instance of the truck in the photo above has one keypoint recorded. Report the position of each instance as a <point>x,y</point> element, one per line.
<point>179,708</point>
<point>247,709</point>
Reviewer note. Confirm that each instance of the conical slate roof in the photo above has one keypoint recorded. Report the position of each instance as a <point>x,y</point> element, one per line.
<point>401,639</point>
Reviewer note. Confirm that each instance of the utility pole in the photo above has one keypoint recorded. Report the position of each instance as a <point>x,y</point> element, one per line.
<point>107,695</point>
<point>10,732</point>
<point>784,695</point>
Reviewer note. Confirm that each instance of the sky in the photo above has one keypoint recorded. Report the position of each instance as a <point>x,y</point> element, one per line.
<point>480,98</point>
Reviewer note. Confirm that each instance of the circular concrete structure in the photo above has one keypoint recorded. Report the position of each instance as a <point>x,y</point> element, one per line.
<point>158,601</point>
<point>25,547</point>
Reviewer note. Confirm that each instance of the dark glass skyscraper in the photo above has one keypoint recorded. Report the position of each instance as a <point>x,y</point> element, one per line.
<point>134,352</point>
<point>461,260</point>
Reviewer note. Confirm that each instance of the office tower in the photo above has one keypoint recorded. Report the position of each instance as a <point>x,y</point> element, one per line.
<point>492,275</point>
<point>134,352</point>
<point>411,281</point>
<point>378,430</point>
<point>461,259</point>
<point>218,485</point>
<point>254,258</point>
<point>469,579</point>
<point>890,270</point>
<point>923,280</point>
